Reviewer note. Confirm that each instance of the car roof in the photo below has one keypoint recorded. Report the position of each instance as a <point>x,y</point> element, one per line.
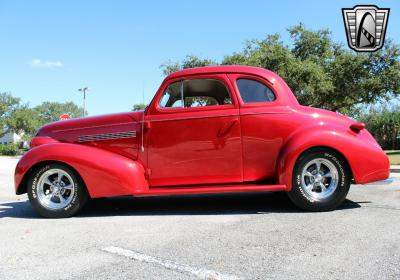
<point>223,69</point>
<point>286,95</point>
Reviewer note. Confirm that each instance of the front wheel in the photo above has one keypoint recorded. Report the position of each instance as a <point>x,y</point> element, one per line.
<point>321,180</point>
<point>56,191</point>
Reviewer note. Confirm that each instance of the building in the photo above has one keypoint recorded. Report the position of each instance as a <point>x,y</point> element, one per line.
<point>10,137</point>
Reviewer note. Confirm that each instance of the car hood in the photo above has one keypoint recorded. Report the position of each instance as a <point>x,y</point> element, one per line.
<point>63,126</point>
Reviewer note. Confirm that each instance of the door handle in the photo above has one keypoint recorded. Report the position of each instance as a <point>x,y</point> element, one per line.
<point>226,128</point>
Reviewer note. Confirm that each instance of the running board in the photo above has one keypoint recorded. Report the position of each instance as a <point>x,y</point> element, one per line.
<point>209,189</point>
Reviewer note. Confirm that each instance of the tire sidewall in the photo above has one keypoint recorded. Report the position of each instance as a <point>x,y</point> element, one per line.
<point>70,209</point>
<point>300,198</point>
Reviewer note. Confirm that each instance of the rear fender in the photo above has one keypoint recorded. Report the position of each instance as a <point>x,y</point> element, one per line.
<point>104,173</point>
<point>363,157</point>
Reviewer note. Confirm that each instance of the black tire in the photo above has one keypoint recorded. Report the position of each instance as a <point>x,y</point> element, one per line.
<point>77,201</point>
<point>302,197</point>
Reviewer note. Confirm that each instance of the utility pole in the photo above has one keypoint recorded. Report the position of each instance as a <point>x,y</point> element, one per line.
<point>84,90</point>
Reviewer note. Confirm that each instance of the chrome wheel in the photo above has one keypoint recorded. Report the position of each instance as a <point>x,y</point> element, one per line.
<point>55,189</point>
<point>319,179</point>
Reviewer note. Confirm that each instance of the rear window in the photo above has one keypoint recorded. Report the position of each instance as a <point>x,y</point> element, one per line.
<point>254,91</point>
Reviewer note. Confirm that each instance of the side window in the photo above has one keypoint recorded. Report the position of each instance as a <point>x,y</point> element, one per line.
<point>254,91</point>
<point>195,93</point>
<point>172,96</point>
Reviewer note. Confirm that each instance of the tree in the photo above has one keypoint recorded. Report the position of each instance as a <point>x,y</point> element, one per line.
<point>8,104</point>
<point>51,111</point>
<point>138,107</point>
<point>190,61</point>
<point>23,120</point>
<point>384,124</point>
<point>17,117</point>
<point>321,72</point>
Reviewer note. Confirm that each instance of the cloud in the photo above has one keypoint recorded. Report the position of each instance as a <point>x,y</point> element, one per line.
<point>38,63</point>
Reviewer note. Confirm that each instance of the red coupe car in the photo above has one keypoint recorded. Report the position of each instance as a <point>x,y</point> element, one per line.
<point>216,129</point>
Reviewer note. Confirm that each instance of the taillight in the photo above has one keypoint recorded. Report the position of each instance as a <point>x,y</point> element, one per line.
<point>357,127</point>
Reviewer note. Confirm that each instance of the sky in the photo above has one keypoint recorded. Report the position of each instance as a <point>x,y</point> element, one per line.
<point>49,49</point>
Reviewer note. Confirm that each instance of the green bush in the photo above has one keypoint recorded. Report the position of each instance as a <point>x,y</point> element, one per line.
<point>384,124</point>
<point>9,149</point>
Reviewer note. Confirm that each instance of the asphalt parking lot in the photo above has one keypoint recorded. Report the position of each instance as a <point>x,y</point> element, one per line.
<point>241,236</point>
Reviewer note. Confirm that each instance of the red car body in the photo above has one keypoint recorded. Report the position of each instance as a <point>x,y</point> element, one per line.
<point>235,147</point>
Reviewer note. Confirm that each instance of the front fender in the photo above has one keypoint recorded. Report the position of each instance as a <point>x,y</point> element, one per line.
<point>366,159</point>
<point>104,173</point>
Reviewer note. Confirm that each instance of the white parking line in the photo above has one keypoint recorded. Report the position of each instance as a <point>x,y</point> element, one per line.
<point>199,272</point>
<point>13,201</point>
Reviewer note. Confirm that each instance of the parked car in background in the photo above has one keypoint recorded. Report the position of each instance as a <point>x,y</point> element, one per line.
<point>216,129</point>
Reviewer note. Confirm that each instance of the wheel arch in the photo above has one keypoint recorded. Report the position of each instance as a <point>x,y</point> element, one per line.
<point>303,142</point>
<point>328,148</point>
<point>23,186</point>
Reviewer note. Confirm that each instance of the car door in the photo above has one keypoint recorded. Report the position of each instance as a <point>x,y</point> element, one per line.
<point>194,134</point>
<point>266,123</point>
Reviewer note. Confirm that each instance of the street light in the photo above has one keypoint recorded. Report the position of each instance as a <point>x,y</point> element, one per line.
<point>84,90</point>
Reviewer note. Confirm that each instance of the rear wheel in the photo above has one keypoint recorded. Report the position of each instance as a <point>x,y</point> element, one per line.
<point>321,180</point>
<point>56,191</point>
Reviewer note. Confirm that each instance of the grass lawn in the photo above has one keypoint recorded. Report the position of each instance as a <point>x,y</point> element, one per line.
<point>394,156</point>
